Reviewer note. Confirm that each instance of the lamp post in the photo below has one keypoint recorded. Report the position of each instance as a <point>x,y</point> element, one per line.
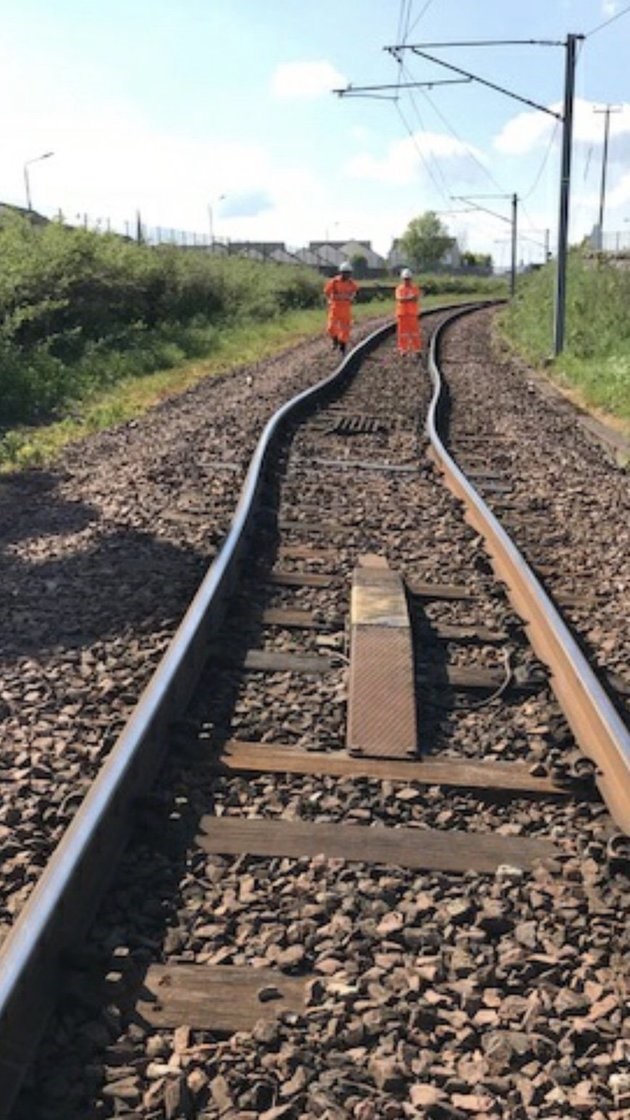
<point>211,217</point>
<point>27,184</point>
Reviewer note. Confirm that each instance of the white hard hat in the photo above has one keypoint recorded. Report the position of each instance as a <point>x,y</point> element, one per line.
<point>405,274</point>
<point>345,266</point>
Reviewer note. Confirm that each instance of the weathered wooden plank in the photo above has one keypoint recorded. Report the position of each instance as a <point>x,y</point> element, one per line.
<point>366,465</point>
<point>284,661</point>
<point>221,998</point>
<point>381,718</point>
<point>449,633</point>
<point>428,849</point>
<point>239,755</point>
<point>422,589</point>
<point>464,677</point>
<point>287,524</point>
<point>474,471</point>
<point>307,552</point>
<point>290,618</point>
<point>283,578</point>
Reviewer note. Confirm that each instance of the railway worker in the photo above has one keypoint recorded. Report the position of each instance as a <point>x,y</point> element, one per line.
<point>407,314</point>
<point>340,291</point>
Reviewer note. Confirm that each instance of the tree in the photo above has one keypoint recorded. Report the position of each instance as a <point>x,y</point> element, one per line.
<point>477,260</point>
<point>359,264</point>
<point>425,240</point>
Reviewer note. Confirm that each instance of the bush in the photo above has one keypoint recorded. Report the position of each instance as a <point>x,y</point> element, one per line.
<point>597,352</point>
<point>81,310</point>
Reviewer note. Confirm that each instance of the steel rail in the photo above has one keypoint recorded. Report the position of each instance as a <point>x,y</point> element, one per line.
<point>65,898</point>
<point>593,719</point>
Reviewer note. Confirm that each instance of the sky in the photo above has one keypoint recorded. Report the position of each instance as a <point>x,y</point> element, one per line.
<point>217,117</point>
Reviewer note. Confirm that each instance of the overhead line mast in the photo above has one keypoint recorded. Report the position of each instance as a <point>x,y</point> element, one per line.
<point>570,44</point>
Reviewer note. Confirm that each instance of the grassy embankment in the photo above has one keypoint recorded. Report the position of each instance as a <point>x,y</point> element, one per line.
<point>94,330</point>
<point>595,366</point>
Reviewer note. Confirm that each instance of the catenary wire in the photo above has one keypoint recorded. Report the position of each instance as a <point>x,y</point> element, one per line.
<point>419,17</point>
<point>543,164</point>
<point>423,159</point>
<point>420,120</point>
<point>601,26</point>
<point>457,137</point>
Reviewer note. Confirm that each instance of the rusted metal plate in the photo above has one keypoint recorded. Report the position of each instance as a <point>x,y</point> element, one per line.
<point>241,756</point>
<point>221,998</point>
<point>381,698</point>
<point>427,849</point>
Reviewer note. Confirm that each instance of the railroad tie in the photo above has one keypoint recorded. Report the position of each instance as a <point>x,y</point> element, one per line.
<point>381,718</point>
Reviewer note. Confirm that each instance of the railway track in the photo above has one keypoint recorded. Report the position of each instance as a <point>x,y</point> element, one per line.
<point>412,965</point>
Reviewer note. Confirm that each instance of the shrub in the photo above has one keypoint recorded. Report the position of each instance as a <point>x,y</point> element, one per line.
<point>80,310</point>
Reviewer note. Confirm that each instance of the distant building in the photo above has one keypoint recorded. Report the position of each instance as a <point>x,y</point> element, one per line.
<point>332,253</point>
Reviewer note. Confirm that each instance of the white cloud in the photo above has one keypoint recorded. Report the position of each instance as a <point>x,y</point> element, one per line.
<point>609,7</point>
<point>619,196</point>
<point>526,131</point>
<point>529,130</point>
<point>406,157</point>
<point>306,80</point>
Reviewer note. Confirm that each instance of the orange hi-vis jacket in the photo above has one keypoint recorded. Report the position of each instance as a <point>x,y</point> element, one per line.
<point>407,312</point>
<point>340,293</point>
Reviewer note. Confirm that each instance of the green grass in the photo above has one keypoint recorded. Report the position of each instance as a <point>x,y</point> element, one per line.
<point>596,363</point>
<point>24,446</point>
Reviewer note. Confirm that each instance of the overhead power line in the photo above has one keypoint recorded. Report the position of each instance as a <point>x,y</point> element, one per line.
<point>415,47</point>
<point>457,137</point>
<point>422,125</point>
<point>418,18</point>
<point>543,164</point>
<point>421,154</point>
<point>601,26</point>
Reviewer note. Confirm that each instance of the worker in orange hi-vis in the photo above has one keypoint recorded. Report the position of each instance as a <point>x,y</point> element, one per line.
<point>340,291</point>
<point>407,314</point>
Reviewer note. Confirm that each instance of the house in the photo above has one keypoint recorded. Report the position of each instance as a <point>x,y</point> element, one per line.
<point>332,253</point>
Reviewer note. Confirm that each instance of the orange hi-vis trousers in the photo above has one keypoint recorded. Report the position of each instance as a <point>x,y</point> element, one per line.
<point>340,294</point>
<point>407,310</point>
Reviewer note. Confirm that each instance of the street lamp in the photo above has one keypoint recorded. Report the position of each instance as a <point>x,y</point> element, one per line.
<point>211,217</point>
<point>46,155</point>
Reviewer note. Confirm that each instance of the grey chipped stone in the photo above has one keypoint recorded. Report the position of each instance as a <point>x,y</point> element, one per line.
<point>526,934</point>
<point>127,1089</point>
<point>176,1099</point>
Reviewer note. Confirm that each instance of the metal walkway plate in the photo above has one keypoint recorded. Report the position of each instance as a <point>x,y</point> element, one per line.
<point>381,700</point>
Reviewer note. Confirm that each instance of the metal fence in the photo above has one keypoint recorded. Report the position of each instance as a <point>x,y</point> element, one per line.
<point>616,242</point>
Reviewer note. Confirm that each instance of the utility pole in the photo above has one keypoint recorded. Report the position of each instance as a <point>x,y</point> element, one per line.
<point>602,191</point>
<point>565,188</point>
<point>569,45</point>
<point>514,221</point>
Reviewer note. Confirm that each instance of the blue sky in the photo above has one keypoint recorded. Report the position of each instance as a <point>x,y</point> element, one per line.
<point>174,106</point>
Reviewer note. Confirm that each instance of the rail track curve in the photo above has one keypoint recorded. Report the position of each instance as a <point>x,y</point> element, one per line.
<point>63,902</point>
